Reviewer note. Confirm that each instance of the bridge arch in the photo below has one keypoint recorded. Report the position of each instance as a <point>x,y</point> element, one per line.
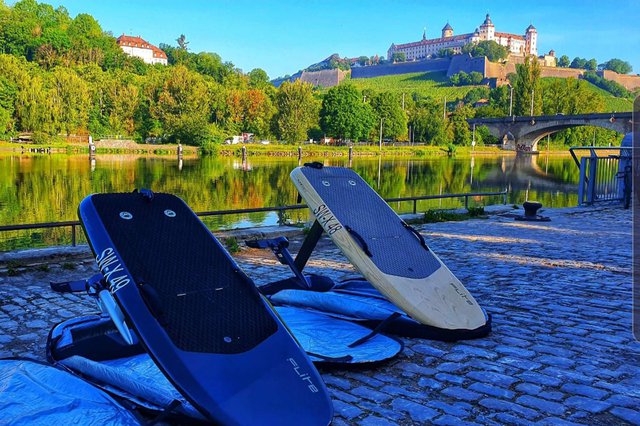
<point>524,133</point>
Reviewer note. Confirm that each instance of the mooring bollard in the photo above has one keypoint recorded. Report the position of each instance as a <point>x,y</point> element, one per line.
<point>244,153</point>
<point>350,153</point>
<point>299,153</point>
<point>531,212</point>
<point>179,150</point>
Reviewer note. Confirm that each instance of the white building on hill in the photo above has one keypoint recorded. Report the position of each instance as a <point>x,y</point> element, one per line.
<point>136,46</point>
<point>520,45</point>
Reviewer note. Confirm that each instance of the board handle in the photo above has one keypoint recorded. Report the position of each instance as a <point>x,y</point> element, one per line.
<point>415,232</point>
<point>361,241</point>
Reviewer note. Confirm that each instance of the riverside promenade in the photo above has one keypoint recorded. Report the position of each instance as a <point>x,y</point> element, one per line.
<point>561,351</point>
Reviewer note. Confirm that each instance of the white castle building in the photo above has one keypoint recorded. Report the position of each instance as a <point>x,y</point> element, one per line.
<point>521,45</point>
<point>136,46</point>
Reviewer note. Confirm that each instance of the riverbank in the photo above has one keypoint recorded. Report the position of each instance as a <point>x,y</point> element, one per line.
<point>114,146</point>
<point>561,350</point>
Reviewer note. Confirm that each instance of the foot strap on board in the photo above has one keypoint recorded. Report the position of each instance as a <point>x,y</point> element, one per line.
<point>379,328</point>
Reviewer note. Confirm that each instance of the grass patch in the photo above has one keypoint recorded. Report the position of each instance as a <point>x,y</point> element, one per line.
<point>433,84</point>
<point>68,266</point>
<point>232,245</point>
<point>435,216</point>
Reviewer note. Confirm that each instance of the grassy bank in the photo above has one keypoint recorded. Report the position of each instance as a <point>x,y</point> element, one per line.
<point>129,147</point>
<point>358,151</point>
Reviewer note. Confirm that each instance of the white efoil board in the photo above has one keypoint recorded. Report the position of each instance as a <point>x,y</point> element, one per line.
<point>387,254</point>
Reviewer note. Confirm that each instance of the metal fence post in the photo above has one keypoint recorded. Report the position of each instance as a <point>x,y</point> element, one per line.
<point>581,181</point>
<point>73,235</point>
<point>591,187</point>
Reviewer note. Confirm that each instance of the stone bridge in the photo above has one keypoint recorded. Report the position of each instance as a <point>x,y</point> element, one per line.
<point>523,133</point>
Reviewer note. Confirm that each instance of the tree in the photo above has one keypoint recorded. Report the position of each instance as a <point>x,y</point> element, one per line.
<point>183,44</point>
<point>525,85</point>
<point>475,94</point>
<point>399,57</point>
<point>489,48</point>
<point>460,127</point>
<point>446,53</point>
<point>578,63</point>
<point>297,110</point>
<point>388,109</point>
<point>427,124</point>
<point>344,114</point>
<point>363,60</point>
<point>591,65</point>
<point>618,65</point>
<point>564,61</point>
<point>182,106</point>
<point>258,78</point>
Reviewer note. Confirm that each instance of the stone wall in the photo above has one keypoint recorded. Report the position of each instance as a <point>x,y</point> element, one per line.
<point>324,78</point>
<point>467,64</point>
<point>630,82</point>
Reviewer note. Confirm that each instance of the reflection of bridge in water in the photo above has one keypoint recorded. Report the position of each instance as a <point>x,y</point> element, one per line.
<point>522,172</point>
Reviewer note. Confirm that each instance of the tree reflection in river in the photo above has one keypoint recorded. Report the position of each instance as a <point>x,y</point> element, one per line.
<point>48,188</point>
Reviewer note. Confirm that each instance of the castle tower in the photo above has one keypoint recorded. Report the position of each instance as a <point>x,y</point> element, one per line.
<point>424,34</point>
<point>487,29</point>
<point>531,40</point>
<point>447,31</point>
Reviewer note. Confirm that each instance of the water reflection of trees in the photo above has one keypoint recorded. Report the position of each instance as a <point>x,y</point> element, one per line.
<point>49,188</point>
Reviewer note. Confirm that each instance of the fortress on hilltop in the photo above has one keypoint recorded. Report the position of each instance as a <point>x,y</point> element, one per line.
<point>519,45</point>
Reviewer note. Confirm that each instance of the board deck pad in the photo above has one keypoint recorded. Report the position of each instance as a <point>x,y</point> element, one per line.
<point>395,250</point>
<point>197,314</point>
<point>391,256</point>
<point>205,301</point>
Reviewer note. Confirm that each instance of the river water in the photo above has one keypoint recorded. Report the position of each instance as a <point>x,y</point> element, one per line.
<point>48,188</point>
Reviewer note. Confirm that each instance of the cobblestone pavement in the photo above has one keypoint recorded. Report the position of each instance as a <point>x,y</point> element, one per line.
<point>561,351</point>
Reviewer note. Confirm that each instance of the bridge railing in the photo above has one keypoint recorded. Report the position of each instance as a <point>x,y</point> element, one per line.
<point>605,174</point>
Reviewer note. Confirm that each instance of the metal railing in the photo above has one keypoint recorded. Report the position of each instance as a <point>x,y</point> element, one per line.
<point>603,177</point>
<point>74,224</point>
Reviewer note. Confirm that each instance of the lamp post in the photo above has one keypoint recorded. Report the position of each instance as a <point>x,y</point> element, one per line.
<point>381,133</point>
<point>531,102</point>
<point>510,100</point>
<point>473,138</point>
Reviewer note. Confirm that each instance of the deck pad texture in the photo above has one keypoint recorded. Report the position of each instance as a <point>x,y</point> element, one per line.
<point>208,306</point>
<point>395,249</point>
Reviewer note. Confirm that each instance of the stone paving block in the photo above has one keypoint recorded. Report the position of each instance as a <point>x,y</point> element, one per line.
<point>458,409</point>
<point>623,401</point>
<point>426,382</point>
<point>511,407</point>
<point>588,391</point>
<point>417,412</point>
<point>491,390</point>
<point>586,404</point>
<point>452,421</point>
<point>492,378</point>
<point>540,379</point>
<point>627,414</point>
<point>450,378</point>
<point>370,394</point>
<point>509,419</point>
<point>542,405</point>
<point>348,411</point>
<point>461,393</point>
<point>376,421</point>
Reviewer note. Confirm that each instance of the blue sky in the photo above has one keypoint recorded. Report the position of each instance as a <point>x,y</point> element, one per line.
<point>285,36</point>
